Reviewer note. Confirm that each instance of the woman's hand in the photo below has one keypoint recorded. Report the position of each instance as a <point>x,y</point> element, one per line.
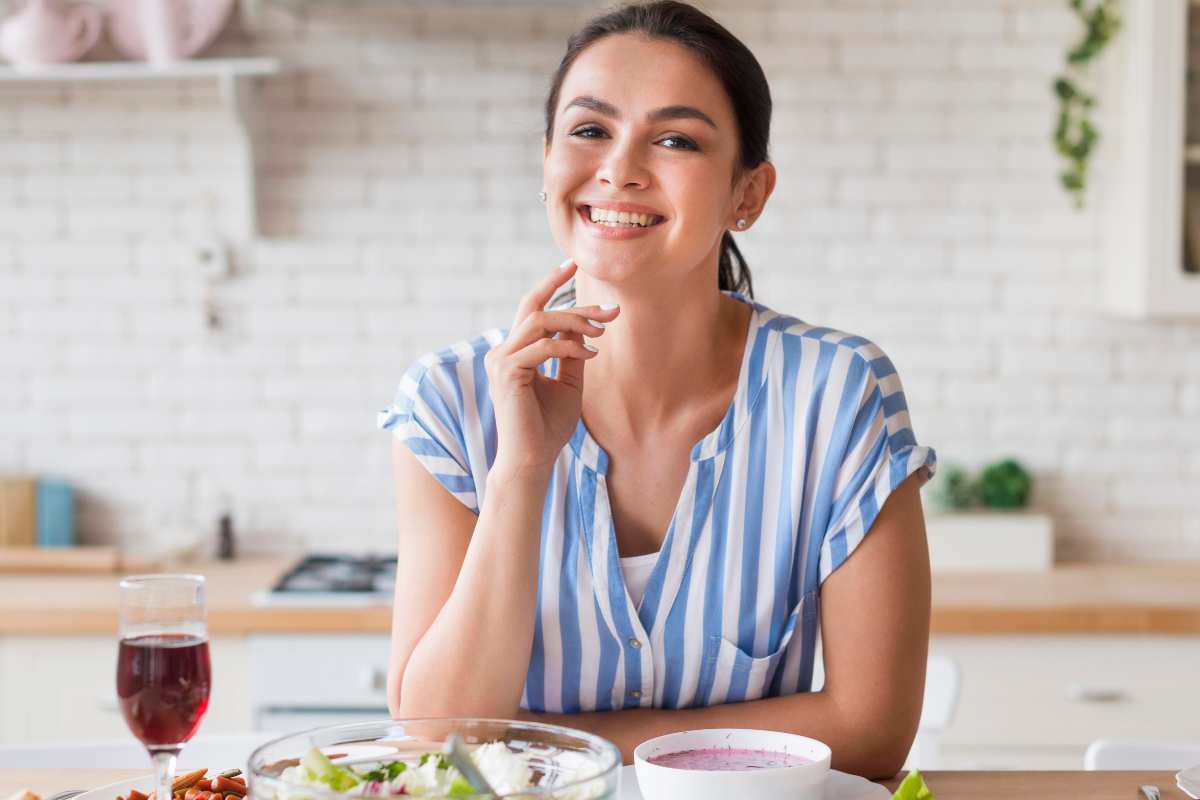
<point>536,415</point>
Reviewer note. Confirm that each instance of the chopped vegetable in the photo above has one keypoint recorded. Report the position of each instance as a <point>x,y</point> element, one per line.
<point>442,763</point>
<point>913,788</point>
<point>433,776</point>
<point>321,769</point>
<point>460,788</point>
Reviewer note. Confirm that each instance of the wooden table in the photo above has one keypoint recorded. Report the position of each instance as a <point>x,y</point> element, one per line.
<point>945,785</point>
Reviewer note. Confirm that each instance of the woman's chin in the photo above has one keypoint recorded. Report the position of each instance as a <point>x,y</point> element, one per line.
<point>613,264</point>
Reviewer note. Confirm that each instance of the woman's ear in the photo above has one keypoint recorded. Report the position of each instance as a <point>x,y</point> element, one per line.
<point>757,186</point>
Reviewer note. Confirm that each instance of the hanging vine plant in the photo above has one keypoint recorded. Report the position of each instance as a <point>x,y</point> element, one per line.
<point>1075,134</point>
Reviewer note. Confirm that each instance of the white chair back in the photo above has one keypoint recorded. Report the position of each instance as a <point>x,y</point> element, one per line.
<point>1141,754</point>
<point>942,685</point>
<point>216,752</point>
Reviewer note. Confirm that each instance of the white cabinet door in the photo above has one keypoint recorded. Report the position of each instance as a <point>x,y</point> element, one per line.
<point>1036,702</point>
<point>61,688</point>
<point>319,671</point>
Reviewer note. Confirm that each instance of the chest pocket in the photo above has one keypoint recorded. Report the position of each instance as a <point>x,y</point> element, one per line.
<point>738,675</point>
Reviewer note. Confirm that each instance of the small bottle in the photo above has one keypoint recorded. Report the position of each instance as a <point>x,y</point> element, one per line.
<point>225,538</point>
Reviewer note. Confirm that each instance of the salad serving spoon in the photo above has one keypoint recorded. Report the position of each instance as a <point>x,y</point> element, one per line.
<point>458,756</point>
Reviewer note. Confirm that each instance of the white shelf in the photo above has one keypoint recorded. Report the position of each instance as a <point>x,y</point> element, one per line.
<point>140,70</point>
<point>237,94</point>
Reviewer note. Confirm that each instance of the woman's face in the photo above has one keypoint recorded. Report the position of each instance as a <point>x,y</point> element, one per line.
<point>641,126</point>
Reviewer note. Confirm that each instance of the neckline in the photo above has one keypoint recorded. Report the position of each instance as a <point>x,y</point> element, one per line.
<point>593,456</point>
<point>642,560</point>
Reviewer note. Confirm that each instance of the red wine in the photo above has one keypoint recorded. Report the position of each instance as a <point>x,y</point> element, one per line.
<point>163,683</point>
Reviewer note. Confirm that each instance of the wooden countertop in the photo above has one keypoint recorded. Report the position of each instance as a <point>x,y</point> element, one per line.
<point>944,785</point>
<point>1072,599</point>
<point>32,604</point>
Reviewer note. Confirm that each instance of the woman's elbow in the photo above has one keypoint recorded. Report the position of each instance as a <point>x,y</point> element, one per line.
<point>890,752</point>
<point>395,678</point>
<point>886,766</point>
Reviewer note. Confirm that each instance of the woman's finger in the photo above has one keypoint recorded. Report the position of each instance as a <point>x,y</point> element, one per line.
<point>544,349</point>
<point>539,295</point>
<point>570,370</point>
<point>545,324</point>
<point>606,313</point>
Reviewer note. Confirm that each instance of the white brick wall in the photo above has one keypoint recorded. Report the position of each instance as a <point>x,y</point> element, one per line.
<point>917,205</point>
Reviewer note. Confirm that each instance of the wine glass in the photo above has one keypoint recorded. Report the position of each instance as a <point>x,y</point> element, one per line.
<point>163,669</point>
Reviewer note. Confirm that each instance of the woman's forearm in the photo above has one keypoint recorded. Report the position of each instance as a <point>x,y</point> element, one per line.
<point>473,659</point>
<point>873,751</point>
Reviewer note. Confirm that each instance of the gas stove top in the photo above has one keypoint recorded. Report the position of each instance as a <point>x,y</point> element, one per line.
<point>334,580</point>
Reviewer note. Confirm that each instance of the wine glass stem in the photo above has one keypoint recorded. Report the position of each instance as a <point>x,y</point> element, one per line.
<point>164,773</point>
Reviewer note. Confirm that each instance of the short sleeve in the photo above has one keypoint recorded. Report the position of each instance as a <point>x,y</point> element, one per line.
<point>874,451</point>
<point>426,415</point>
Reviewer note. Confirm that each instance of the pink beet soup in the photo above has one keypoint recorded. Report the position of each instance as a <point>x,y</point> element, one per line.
<point>728,758</point>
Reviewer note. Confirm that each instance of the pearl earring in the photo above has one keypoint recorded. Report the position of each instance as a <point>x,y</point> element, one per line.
<point>542,195</point>
<point>741,224</point>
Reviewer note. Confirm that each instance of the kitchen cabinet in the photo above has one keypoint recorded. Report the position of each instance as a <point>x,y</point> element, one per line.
<point>1026,702</point>
<point>1036,702</point>
<point>63,688</point>
<point>302,680</point>
<point>1152,239</point>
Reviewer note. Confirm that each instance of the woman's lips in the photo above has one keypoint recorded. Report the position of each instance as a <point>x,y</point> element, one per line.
<point>615,232</point>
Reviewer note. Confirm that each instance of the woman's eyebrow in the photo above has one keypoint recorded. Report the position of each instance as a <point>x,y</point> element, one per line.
<point>658,115</point>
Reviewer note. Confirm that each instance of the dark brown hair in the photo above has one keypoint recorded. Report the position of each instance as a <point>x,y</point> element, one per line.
<point>730,60</point>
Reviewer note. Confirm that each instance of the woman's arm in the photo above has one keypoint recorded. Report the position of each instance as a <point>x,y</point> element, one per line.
<point>875,635</point>
<point>466,586</point>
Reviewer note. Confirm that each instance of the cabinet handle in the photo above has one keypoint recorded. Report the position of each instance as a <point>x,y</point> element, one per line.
<point>1096,694</point>
<point>374,679</point>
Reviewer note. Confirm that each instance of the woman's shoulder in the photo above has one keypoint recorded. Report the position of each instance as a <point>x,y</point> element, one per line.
<point>843,349</point>
<point>439,383</point>
<point>455,362</point>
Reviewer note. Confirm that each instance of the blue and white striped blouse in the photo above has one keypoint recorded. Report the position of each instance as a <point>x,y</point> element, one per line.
<point>776,498</point>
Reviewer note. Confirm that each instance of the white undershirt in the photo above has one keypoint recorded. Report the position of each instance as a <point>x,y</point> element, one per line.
<point>636,570</point>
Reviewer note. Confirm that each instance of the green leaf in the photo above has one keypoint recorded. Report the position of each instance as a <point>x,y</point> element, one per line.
<point>913,788</point>
<point>395,768</point>
<point>460,788</point>
<point>442,763</point>
<point>322,769</point>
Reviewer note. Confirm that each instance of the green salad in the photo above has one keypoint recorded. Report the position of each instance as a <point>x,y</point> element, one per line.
<point>432,775</point>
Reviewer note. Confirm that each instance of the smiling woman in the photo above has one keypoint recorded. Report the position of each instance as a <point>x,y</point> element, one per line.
<point>656,549</point>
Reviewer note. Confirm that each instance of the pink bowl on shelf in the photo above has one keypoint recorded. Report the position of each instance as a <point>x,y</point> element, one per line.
<point>162,31</point>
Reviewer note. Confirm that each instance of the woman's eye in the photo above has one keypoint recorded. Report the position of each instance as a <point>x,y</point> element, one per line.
<point>681,143</point>
<point>589,132</point>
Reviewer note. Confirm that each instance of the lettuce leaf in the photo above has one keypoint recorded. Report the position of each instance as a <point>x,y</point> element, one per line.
<point>339,779</point>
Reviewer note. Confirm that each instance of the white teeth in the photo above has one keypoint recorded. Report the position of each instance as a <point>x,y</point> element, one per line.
<point>617,218</point>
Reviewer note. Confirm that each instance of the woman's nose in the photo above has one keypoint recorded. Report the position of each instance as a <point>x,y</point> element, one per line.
<point>622,169</point>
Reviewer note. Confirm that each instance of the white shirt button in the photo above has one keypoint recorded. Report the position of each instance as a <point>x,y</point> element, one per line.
<point>635,642</point>
<point>636,693</point>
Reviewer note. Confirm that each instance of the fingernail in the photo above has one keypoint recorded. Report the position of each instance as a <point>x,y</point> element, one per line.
<point>589,347</point>
<point>566,264</point>
<point>597,323</point>
<point>609,306</point>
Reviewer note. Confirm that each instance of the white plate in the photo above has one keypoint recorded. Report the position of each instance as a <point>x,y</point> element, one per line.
<point>840,786</point>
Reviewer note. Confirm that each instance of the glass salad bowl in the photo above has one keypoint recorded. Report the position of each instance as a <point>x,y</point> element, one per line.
<point>402,758</point>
